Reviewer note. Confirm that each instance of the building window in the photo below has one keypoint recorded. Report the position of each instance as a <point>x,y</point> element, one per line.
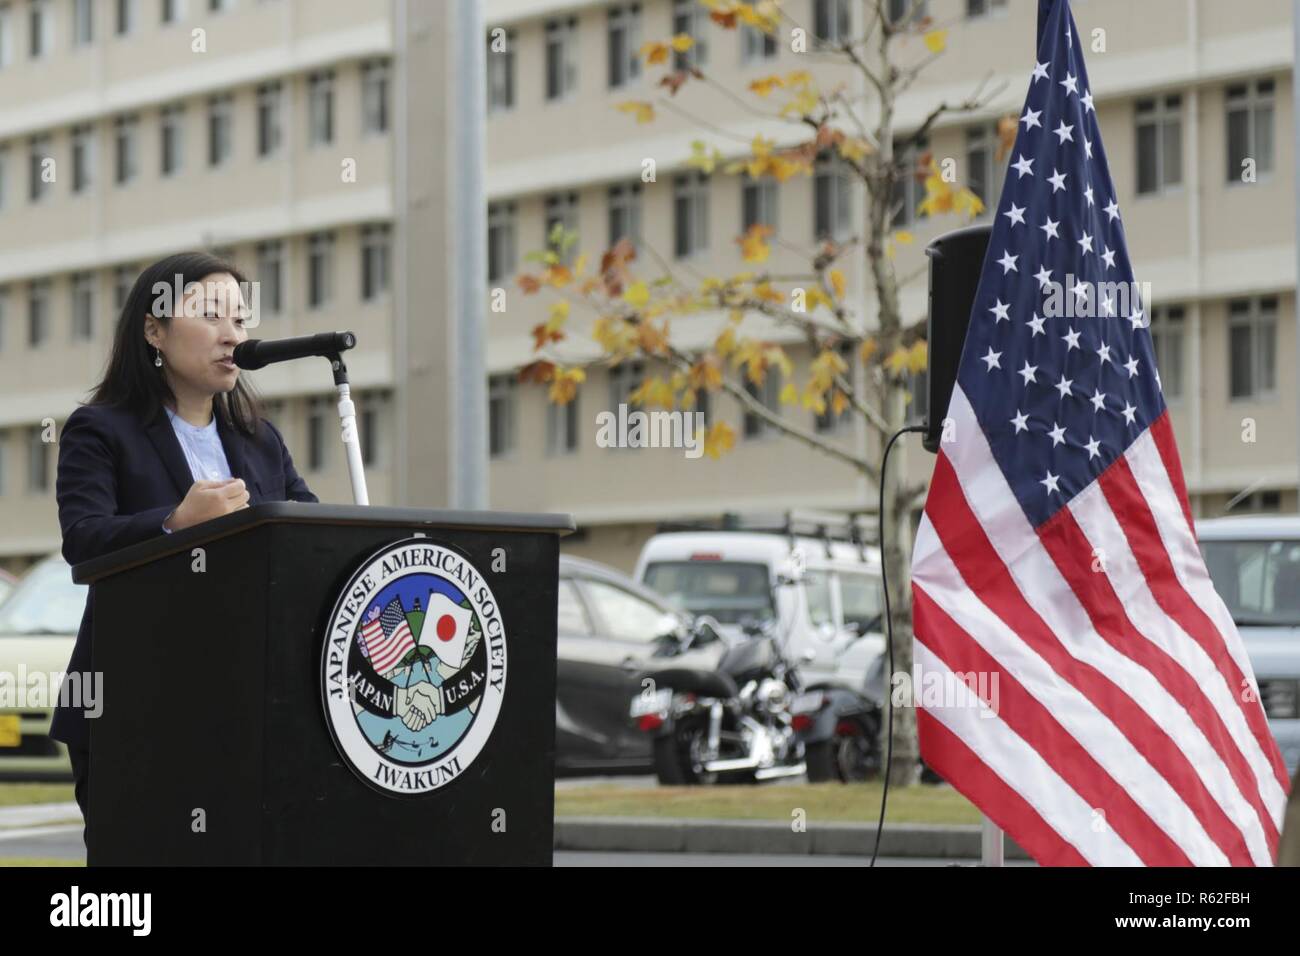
<point>562,211</point>
<point>40,28</point>
<point>83,158</point>
<point>624,41</point>
<point>171,11</point>
<point>562,427</point>
<point>83,306</point>
<point>270,276</point>
<point>1159,143</point>
<point>369,425</point>
<point>124,149</point>
<point>375,243</point>
<point>909,193</point>
<point>40,172</point>
<point>219,130</point>
<point>320,255</point>
<point>832,20</point>
<point>124,22</point>
<point>374,97</point>
<point>692,19</point>
<point>982,8</point>
<point>83,23</point>
<point>38,460</point>
<point>624,379</point>
<point>625,213</point>
<point>220,6</point>
<point>758,199</point>
<point>1250,127</point>
<point>317,413</point>
<point>170,141</point>
<point>38,312</point>
<point>4,315</point>
<point>501,71</point>
<point>769,395</point>
<point>1167,344</point>
<point>828,422</point>
<point>981,141</point>
<point>269,99</point>
<point>4,173</point>
<point>899,11</point>
<point>755,45</point>
<point>832,198</point>
<point>561,57</point>
<point>501,240</point>
<point>690,213</point>
<point>501,415</point>
<point>320,108</point>
<point>1252,347</point>
<point>123,279</point>
<point>6,35</point>
<point>1255,501</point>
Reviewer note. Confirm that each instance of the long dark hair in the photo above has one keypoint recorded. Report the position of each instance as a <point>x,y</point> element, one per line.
<point>133,381</point>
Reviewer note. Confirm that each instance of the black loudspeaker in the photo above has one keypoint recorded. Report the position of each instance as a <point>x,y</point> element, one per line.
<point>956,261</point>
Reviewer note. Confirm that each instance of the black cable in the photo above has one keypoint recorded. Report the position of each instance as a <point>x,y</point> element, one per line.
<point>889,635</point>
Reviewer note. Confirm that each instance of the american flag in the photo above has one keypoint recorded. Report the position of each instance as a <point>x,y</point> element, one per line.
<point>385,636</point>
<point>1057,554</point>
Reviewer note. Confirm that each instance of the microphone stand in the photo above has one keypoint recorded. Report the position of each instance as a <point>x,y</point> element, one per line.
<point>348,422</point>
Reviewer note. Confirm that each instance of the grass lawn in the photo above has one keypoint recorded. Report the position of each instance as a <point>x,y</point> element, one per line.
<point>17,794</point>
<point>37,861</point>
<point>825,802</point>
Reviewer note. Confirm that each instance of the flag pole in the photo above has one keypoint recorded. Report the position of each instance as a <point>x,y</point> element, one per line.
<point>991,842</point>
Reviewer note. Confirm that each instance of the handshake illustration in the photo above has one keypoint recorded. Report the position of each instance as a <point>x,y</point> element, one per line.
<point>417,706</point>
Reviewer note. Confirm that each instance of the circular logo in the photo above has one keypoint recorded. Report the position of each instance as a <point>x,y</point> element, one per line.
<point>414,667</point>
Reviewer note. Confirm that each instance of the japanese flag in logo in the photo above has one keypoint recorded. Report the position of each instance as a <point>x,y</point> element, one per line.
<point>446,626</point>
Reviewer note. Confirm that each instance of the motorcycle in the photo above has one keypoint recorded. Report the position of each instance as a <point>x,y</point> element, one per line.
<point>840,727</point>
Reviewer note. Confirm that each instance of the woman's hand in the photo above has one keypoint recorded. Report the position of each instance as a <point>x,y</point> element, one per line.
<point>206,500</point>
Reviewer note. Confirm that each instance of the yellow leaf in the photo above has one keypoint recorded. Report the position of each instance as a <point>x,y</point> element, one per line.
<point>726,342</point>
<point>637,295</point>
<point>565,385</point>
<point>644,112</point>
<point>837,283</point>
<point>719,439</point>
<point>918,357</point>
<point>764,85</point>
<point>867,349</point>
<point>681,42</point>
<point>903,237</point>
<point>789,394</point>
<point>654,52</point>
<point>936,40</point>
<point>898,360</point>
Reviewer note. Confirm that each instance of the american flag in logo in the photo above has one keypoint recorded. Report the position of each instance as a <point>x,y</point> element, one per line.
<point>385,636</point>
<point>1057,549</point>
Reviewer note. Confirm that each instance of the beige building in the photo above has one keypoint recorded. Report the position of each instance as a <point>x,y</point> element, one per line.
<point>292,134</point>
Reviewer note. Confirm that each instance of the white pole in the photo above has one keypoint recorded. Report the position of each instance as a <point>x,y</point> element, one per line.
<point>352,445</point>
<point>992,847</point>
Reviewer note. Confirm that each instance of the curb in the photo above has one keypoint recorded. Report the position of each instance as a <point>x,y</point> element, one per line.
<point>674,835</point>
<point>35,814</point>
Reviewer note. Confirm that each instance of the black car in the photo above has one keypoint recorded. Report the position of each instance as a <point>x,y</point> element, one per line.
<point>611,628</point>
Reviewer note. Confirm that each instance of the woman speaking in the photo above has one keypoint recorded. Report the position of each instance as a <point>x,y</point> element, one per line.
<point>170,438</point>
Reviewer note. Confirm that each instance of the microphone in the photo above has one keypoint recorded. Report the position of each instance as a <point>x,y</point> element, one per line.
<point>258,353</point>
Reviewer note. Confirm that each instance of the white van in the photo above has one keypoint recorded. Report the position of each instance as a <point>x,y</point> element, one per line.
<point>824,595</point>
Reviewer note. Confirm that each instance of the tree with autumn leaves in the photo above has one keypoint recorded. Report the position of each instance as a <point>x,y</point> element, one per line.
<point>631,313</point>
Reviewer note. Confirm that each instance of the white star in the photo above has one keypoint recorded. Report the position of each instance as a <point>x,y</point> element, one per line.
<point>1071,339</point>
<point>1057,179</point>
<point>992,359</point>
<point>1030,119</point>
<point>1087,194</point>
<point>1040,72</point>
<point>1023,166</point>
<point>1065,132</point>
<point>1028,372</point>
<point>1098,401</point>
<point>1050,483</point>
<point>1080,289</point>
<point>1107,306</point>
<point>1104,353</point>
<point>1049,228</point>
<point>1058,435</point>
<point>1092,446</point>
<point>1086,100</point>
<point>1016,214</point>
<point>1108,257</point>
<point>1008,262</point>
<point>1112,211</point>
<point>1037,325</point>
<point>1138,319</point>
<point>1063,386</point>
<point>1071,84</point>
<point>1128,413</point>
<point>1132,366</point>
<point>1019,422</point>
<point>1044,276</point>
<point>1085,243</point>
<point>1067,35</point>
<point>1000,312</point>
<point>1087,146</point>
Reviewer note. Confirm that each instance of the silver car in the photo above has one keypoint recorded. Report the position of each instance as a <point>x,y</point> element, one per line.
<point>1255,565</point>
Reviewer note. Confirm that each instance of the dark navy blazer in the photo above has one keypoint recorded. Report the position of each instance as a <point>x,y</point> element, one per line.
<point>118,480</point>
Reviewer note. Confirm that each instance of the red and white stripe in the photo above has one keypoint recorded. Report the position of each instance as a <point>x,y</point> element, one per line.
<point>385,652</point>
<point>1122,734</point>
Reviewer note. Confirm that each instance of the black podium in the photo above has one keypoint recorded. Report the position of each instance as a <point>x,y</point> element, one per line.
<point>269,679</point>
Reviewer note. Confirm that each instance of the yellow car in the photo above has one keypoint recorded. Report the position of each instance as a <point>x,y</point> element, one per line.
<point>38,626</point>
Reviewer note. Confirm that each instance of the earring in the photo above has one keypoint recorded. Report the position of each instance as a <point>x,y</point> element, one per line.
<point>157,358</point>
